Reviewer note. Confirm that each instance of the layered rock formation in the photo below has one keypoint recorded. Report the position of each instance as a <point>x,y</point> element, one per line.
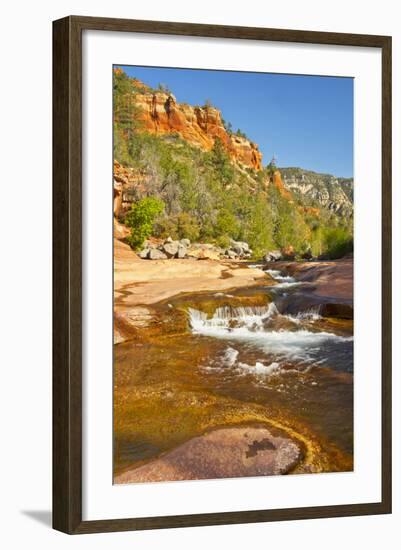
<point>161,114</point>
<point>320,190</point>
<point>129,186</point>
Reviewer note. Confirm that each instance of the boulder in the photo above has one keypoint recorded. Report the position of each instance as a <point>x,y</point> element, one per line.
<point>185,242</point>
<point>155,254</point>
<point>231,254</point>
<point>144,253</point>
<point>288,253</point>
<point>244,246</point>
<point>149,244</point>
<point>168,240</point>
<point>170,248</point>
<point>182,251</point>
<point>204,253</point>
<point>238,249</point>
<point>307,255</point>
<point>273,256</point>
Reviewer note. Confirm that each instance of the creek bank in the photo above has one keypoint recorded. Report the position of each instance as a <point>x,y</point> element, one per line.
<point>158,249</point>
<point>326,287</point>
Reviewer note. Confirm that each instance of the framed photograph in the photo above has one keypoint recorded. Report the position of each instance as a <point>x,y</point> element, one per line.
<point>222,275</point>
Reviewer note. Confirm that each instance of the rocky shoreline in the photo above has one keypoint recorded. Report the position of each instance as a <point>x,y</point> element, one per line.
<point>157,249</point>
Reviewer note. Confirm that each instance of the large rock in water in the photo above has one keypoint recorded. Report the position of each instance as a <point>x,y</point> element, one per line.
<point>240,451</point>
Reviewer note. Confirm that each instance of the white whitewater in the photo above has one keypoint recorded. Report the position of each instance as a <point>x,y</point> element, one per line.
<point>224,316</point>
<point>251,324</point>
<point>255,326</point>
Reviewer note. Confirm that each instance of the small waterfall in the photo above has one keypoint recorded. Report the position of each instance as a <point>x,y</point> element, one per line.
<point>225,316</point>
<point>311,314</point>
<point>265,329</point>
<point>278,276</point>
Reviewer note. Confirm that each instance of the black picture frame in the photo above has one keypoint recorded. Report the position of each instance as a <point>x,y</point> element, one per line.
<point>67,273</point>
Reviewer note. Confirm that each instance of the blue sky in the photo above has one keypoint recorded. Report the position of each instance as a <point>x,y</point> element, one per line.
<point>305,121</point>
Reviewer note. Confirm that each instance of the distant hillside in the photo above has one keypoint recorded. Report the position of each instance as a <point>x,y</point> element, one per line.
<point>320,190</point>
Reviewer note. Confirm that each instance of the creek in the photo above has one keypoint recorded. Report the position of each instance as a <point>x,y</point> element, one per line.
<point>246,357</point>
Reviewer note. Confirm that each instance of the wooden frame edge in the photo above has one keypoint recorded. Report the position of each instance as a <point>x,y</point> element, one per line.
<point>67,275</point>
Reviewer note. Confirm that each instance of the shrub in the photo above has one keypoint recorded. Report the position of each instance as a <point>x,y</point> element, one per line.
<point>226,224</point>
<point>180,226</point>
<point>338,242</point>
<point>223,241</point>
<point>141,219</point>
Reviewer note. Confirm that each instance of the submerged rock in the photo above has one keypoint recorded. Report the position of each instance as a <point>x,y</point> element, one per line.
<point>240,451</point>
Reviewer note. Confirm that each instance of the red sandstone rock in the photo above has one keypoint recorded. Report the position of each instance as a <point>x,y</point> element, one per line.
<point>161,114</point>
<point>227,452</point>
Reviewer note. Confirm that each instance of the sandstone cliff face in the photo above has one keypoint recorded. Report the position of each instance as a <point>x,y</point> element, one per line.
<point>161,114</point>
<point>129,186</point>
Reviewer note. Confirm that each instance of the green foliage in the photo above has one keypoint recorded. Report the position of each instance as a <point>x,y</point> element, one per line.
<point>240,133</point>
<point>227,126</point>
<point>126,115</point>
<point>141,219</point>
<point>227,224</point>
<point>220,162</point>
<point>258,226</point>
<point>338,241</point>
<point>180,226</point>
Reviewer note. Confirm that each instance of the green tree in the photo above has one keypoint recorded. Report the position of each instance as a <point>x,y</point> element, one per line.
<point>338,242</point>
<point>180,226</point>
<point>221,162</point>
<point>227,224</point>
<point>126,115</point>
<point>257,227</point>
<point>141,219</point>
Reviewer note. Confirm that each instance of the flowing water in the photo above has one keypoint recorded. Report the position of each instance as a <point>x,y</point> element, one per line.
<point>243,358</point>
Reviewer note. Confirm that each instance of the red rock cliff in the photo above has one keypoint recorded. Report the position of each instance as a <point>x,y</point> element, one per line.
<point>161,114</point>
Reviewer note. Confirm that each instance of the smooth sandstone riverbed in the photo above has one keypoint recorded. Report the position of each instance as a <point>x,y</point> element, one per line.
<point>166,409</point>
<point>147,282</point>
